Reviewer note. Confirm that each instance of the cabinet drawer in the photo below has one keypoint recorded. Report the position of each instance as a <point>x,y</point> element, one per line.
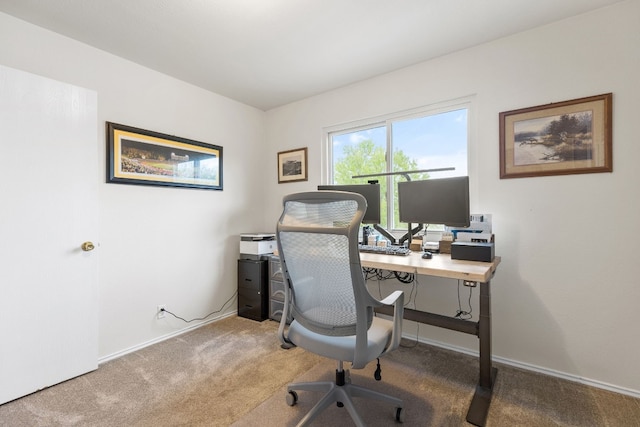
<point>250,274</point>
<point>276,290</point>
<point>249,296</point>
<point>251,304</point>
<point>276,308</point>
<point>275,269</point>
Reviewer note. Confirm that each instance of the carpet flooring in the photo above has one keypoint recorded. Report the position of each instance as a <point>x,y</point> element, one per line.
<point>233,373</point>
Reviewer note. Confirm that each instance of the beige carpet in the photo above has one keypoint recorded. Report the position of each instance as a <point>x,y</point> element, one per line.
<point>233,372</point>
<point>211,376</point>
<point>437,386</point>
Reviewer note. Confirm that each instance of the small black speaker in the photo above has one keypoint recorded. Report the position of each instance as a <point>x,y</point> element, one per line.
<point>472,251</point>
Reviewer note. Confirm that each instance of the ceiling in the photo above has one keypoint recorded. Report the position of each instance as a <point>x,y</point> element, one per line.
<point>267,53</point>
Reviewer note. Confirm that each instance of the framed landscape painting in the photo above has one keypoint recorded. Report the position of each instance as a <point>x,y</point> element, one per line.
<point>569,137</point>
<point>138,156</point>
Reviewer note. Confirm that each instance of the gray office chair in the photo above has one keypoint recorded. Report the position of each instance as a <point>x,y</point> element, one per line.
<point>327,303</point>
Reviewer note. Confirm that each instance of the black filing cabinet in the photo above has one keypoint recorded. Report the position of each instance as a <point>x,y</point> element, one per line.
<point>252,289</point>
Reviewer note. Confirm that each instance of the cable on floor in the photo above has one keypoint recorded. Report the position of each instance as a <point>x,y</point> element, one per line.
<point>205,317</point>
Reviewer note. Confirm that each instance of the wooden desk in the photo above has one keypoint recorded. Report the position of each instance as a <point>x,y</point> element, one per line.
<point>441,265</point>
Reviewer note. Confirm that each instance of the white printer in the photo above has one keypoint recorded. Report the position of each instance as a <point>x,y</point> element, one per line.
<point>257,243</point>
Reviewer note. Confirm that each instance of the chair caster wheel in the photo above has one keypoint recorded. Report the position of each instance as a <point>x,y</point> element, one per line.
<point>399,415</point>
<point>292,398</point>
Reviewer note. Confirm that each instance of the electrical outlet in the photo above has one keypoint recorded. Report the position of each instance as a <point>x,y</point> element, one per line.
<point>160,313</point>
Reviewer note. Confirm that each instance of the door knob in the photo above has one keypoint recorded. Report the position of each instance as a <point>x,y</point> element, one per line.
<point>87,246</point>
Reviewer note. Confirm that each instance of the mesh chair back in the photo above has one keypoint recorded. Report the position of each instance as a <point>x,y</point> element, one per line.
<point>318,245</point>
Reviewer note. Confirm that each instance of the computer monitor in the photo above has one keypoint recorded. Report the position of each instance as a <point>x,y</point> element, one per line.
<point>371,193</point>
<point>435,201</point>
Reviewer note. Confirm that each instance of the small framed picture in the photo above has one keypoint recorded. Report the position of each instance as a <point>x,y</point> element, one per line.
<point>292,165</point>
<point>562,138</point>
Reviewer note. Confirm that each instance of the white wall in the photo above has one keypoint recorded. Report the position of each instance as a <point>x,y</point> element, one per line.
<point>169,246</point>
<point>565,296</point>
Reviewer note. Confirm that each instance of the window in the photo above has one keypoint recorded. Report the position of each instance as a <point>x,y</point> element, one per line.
<point>429,138</point>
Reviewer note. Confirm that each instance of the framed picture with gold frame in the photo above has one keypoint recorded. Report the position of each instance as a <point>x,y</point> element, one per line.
<point>292,165</point>
<point>138,156</point>
<point>562,138</point>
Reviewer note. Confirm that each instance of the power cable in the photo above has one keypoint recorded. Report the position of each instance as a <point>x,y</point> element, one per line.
<point>201,318</point>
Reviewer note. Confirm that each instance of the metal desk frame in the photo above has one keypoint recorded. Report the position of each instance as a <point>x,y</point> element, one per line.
<point>442,265</point>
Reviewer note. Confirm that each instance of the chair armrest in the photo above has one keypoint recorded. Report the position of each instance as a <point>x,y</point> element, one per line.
<point>282,327</point>
<point>396,299</point>
<point>392,298</point>
<point>282,333</point>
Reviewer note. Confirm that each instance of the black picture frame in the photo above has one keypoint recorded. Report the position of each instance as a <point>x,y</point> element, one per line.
<point>143,157</point>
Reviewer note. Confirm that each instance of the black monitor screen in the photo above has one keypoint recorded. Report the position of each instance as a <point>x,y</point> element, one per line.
<point>435,201</point>
<point>371,192</point>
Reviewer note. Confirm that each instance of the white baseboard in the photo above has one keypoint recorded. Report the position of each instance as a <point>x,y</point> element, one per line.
<point>162,338</point>
<point>534,368</point>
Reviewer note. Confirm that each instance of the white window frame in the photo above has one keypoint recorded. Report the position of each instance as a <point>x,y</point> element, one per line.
<point>466,102</point>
